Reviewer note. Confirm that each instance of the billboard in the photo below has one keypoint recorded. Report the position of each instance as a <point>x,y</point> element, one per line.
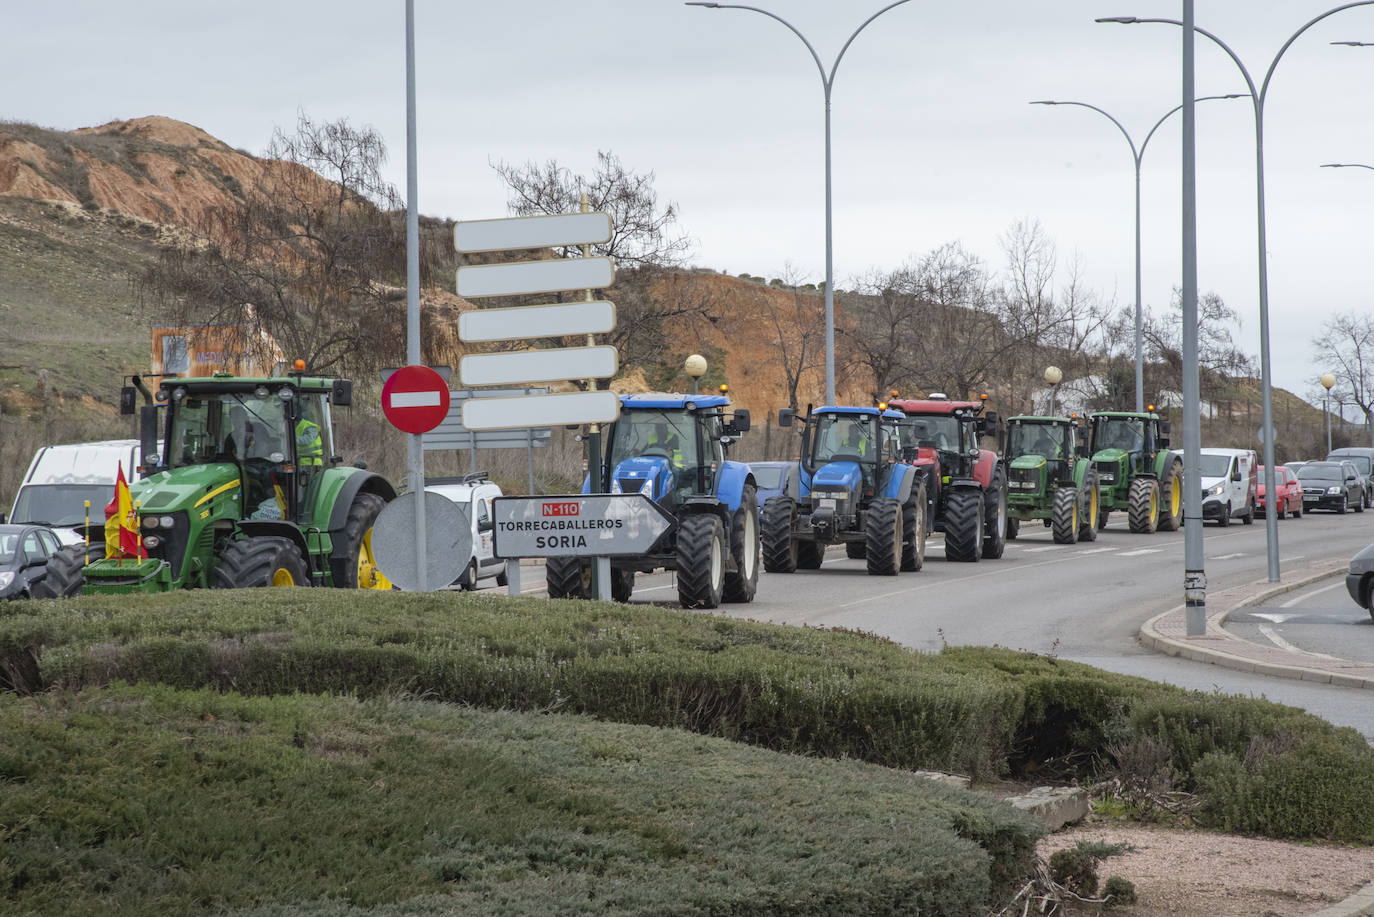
<point>202,350</point>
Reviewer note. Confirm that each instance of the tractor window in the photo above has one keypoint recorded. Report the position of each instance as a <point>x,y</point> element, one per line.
<point>667,433</point>
<point>192,440</point>
<point>940,432</point>
<point>1126,433</point>
<point>255,428</point>
<point>1043,440</point>
<point>843,437</point>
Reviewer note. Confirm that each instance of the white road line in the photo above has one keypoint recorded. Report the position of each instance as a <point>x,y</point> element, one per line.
<point>1038,550</point>
<point>1097,550</point>
<point>1229,556</point>
<point>1284,644</point>
<point>1140,552</point>
<point>962,579</point>
<point>1307,595</point>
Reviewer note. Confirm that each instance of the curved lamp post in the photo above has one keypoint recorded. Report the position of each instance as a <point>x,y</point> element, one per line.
<point>1137,154</point>
<point>827,82</point>
<point>1257,96</point>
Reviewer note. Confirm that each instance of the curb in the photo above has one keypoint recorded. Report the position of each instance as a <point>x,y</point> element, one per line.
<point>1360,903</point>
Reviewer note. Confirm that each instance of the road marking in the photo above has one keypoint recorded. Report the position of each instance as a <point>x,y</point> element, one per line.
<point>1229,556</point>
<point>1307,595</point>
<point>1038,550</point>
<point>1140,552</point>
<point>1284,644</point>
<point>1097,550</point>
<point>962,579</point>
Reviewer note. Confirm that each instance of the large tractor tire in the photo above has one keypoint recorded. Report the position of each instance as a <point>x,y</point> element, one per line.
<point>995,506</point>
<point>65,576</point>
<point>1065,521</point>
<point>356,568</point>
<point>963,524</point>
<point>741,585</point>
<point>810,555</point>
<point>1089,507</point>
<point>1171,484</point>
<point>914,531</point>
<point>883,528</point>
<point>855,550</point>
<point>779,547</point>
<point>700,561</point>
<point>1013,529</point>
<point>568,578</point>
<point>265,560</point>
<point>1143,511</point>
<point>1102,515</point>
<point>622,585</point>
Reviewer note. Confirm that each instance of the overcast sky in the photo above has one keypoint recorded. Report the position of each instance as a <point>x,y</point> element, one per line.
<point>934,141</point>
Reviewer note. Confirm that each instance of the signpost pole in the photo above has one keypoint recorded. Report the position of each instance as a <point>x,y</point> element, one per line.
<point>599,581</point>
<point>415,451</point>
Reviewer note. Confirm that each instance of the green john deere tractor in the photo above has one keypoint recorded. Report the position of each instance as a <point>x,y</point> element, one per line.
<point>1136,471</point>
<point>246,492</point>
<point>1048,479</point>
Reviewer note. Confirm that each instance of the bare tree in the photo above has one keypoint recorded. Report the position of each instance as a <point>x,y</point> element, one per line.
<point>796,320</point>
<point>884,310</point>
<point>1347,346</point>
<point>959,345</point>
<point>1222,364</point>
<point>310,248</point>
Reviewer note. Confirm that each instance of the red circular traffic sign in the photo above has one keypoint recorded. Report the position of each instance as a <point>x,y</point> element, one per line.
<point>415,399</point>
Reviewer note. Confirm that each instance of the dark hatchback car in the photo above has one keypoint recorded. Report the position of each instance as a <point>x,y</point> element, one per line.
<point>1359,582</point>
<point>1331,485</point>
<point>24,554</point>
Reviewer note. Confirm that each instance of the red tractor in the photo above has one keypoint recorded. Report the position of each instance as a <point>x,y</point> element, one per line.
<point>966,485</point>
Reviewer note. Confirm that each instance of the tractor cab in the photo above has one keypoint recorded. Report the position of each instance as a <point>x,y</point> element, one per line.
<point>1040,452</point>
<point>1127,441</point>
<point>847,458</point>
<point>670,447</point>
<point>1136,470</point>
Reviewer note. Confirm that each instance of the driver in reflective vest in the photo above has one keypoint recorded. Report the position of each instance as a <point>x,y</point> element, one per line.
<point>309,445</point>
<point>666,438</point>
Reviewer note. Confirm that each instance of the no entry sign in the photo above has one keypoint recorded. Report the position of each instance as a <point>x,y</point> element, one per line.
<point>415,399</point>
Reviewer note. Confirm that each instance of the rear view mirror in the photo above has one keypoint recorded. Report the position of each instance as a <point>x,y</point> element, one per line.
<point>1164,442</point>
<point>1164,427</point>
<point>785,417</point>
<point>147,432</point>
<point>128,400</point>
<point>342,393</point>
<point>740,422</point>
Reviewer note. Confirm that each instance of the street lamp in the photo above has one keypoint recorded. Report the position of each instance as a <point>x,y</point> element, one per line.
<point>1138,155</point>
<point>1258,96</point>
<point>827,82</point>
<point>1327,380</point>
<point>1053,376</point>
<point>695,365</point>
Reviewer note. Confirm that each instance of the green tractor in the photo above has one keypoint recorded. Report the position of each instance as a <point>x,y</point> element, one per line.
<point>1048,479</point>
<point>247,492</point>
<point>1136,471</point>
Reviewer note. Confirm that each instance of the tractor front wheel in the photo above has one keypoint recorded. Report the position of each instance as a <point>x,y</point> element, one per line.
<point>622,585</point>
<point>1143,500</point>
<point>568,578</point>
<point>810,555</point>
<point>700,561</point>
<point>266,560</point>
<point>1013,529</point>
<point>963,524</point>
<point>1091,505</point>
<point>779,547</point>
<point>354,567</point>
<point>1065,522</point>
<point>65,575</point>
<point>855,550</point>
<point>883,528</point>
<point>741,585</point>
<point>995,530</point>
<point>914,531</point>
<point>1171,497</point>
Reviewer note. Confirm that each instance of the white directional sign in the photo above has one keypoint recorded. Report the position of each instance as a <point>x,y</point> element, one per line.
<point>519,277</point>
<point>532,232</point>
<point>525,323</point>
<point>538,365</point>
<point>584,525</point>
<point>541,410</point>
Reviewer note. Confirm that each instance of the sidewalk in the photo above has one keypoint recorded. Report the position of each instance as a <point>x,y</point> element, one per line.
<point>1168,633</point>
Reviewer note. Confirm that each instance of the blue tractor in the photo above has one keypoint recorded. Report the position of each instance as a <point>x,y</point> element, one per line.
<point>851,488</point>
<point>672,448</point>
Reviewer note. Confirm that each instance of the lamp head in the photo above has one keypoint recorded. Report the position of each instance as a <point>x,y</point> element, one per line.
<point>1327,380</point>
<point>1044,102</point>
<point>1123,20</point>
<point>700,3</point>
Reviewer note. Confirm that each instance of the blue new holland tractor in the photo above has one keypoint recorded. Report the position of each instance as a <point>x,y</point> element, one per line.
<point>672,449</point>
<point>851,488</point>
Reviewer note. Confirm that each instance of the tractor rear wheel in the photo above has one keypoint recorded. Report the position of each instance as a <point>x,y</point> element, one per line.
<point>1013,529</point>
<point>810,555</point>
<point>65,575</point>
<point>914,531</point>
<point>1143,499</point>
<point>741,585</point>
<point>1171,497</point>
<point>1102,515</point>
<point>1065,521</point>
<point>1088,510</point>
<point>265,560</point>
<point>995,502</point>
<point>568,578</point>
<point>883,528</point>
<point>963,524</point>
<point>779,547</point>
<point>622,585</point>
<point>700,561</point>
<point>354,566</point>
<point>855,550</point>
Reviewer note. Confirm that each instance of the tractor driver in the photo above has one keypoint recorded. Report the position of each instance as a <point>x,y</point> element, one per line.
<point>1045,445</point>
<point>664,438</point>
<point>1126,435</point>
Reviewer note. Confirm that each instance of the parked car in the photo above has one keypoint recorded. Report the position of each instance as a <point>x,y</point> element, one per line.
<point>1288,488</point>
<point>1362,457</point>
<point>1331,485</point>
<point>770,479</point>
<point>24,554</point>
<point>474,493</point>
<point>60,479</point>
<point>1294,466</point>
<point>1229,484</point>
<point>1359,582</point>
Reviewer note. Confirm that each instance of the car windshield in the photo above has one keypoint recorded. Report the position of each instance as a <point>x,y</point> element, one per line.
<point>767,478</point>
<point>667,433</point>
<point>939,432</point>
<point>843,437</point>
<point>1319,471</point>
<point>9,544</point>
<point>1213,466</point>
<point>1035,439</point>
<point>1361,462</point>
<point>61,504</point>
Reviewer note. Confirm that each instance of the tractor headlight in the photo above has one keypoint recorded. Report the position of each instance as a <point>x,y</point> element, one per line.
<point>152,541</point>
<point>166,522</point>
<point>285,394</point>
<point>150,522</point>
<point>262,393</point>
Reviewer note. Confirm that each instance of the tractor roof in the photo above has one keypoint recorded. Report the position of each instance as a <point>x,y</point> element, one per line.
<point>241,383</point>
<point>848,409</point>
<point>1129,415</point>
<point>935,406</point>
<point>673,402</point>
<point>1033,419</point>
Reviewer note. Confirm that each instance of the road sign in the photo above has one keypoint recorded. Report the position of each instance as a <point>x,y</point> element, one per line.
<point>532,232</point>
<point>525,323</point>
<point>541,410</point>
<point>415,399</point>
<point>584,525</point>
<point>549,365</point>
<point>448,541</point>
<point>518,277</point>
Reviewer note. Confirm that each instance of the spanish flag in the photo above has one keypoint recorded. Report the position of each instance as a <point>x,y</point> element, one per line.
<point>121,525</point>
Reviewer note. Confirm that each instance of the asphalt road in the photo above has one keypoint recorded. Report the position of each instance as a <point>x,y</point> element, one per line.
<point>1084,602</point>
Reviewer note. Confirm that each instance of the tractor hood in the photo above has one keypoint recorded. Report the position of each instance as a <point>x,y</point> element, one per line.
<point>837,475</point>
<point>647,474</point>
<point>1110,455</point>
<point>1027,462</point>
<point>186,488</point>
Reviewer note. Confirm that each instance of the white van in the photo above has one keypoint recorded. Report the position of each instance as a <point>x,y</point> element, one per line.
<point>61,478</point>
<point>1230,485</point>
<point>474,492</point>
